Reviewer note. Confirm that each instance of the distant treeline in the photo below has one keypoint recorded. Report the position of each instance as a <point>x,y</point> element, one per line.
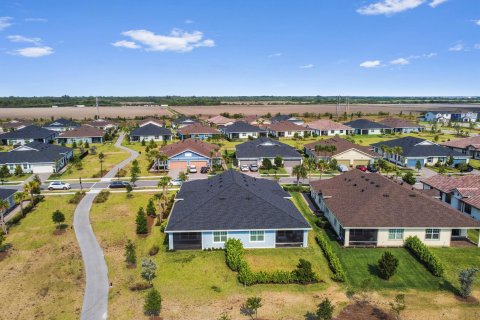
<point>30,102</point>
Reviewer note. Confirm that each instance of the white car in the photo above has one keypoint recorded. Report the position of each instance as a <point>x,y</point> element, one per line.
<point>342,168</point>
<point>244,167</point>
<point>176,182</point>
<point>192,169</point>
<point>58,185</point>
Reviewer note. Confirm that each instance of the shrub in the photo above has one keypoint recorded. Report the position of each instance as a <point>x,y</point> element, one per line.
<point>163,225</point>
<point>153,303</point>
<point>466,277</point>
<point>422,253</point>
<point>130,254</point>
<point>325,310</point>
<point>153,250</point>
<point>234,254</point>
<point>58,217</point>
<point>409,178</point>
<point>77,197</point>
<point>102,196</point>
<point>141,222</point>
<point>332,258</point>
<point>303,273</point>
<point>253,304</point>
<point>387,265</point>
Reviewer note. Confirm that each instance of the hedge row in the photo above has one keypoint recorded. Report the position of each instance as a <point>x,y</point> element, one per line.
<point>234,256</point>
<point>422,253</point>
<point>26,210</point>
<point>333,260</point>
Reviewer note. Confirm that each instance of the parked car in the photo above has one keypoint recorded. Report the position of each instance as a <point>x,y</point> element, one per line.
<point>118,184</point>
<point>204,170</point>
<point>192,169</point>
<point>342,168</point>
<point>361,168</point>
<point>253,168</point>
<point>176,182</point>
<point>244,167</point>
<point>371,168</point>
<point>58,185</point>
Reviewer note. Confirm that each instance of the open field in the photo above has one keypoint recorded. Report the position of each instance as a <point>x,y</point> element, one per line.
<point>42,277</point>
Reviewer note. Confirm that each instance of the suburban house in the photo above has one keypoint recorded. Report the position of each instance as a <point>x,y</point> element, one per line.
<point>417,149</point>
<point>149,132</point>
<point>326,127</point>
<point>254,151</point>
<point>151,121</point>
<point>364,126</point>
<point>233,205</point>
<point>220,121</point>
<point>243,130</point>
<point>284,117</point>
<point>286,129</point>
<point>7,195</point>
<point>198,131</point>
<point>189,152</point>
<point>446,116</point>
<point>182,122</point>
<point>254,119</point>
<point>28,134</point>
<point>15,124</point>
<point>401,125</point>
<point>345,152</point>
<point>368,209</point>
<point>36,157</point>
<point>82,134</point>
<point>103,124</point>
<point>460,192</point>
<point>61,125</point>
<point>469,146</point>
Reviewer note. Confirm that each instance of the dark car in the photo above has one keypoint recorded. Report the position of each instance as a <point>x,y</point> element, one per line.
<point>362,168</point>
<point>371,168</point>
<point>118,184</point>
<point>204,170</point>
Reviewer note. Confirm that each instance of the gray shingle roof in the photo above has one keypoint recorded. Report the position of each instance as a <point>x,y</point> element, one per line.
<point>242,126</point>
<point>30,132</point>
<point>412,148</point>
<point>6,193</point>
<point>265,148</point>
<point>366,124</point>
<point>61,123</point>
<point>150,130</point>
<point>234,201</point>
<point>43,152</point>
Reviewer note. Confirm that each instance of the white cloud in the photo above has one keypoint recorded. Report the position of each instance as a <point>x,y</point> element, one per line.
<point>458,47</point>
<point>275,55</point>
<point>477,46</point>
<point>126,44</point>
<point>307,66</point>
<point>436,3</point>
<point>477,22</point>
<point>19,38</point>
<point>35,20</point>
<point>400,62</point>
<point>370,64</point>
<point>188,21</point>
<point>34,52</point>
<point>177,41</point>
<point>5,22</point>
<point>389,7</point>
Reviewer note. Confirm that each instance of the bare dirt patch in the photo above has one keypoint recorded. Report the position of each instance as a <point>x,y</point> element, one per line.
<point>362,311</point>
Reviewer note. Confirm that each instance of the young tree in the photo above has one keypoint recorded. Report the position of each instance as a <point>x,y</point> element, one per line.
<point>58,217</point>
<point>32,188</point>
<point>129,190</point>
<point>87,145</point>
<point>74,144</point>
<point>387,265</point>
<point>278,161</point>
<point>266,164</point>
<point>148,269</point>
<point>19,197</point>
<point>4,205</point>
<point>322,166</point>
<point>163,183</point>
<point>18,170</point>
<point>325,310</point>
<point>153,303</point>
<point>4,173</point>
<point>398,305</point>
<point>151,211</point>
<point>101,158</point>
<point>310,163</point>
<point>130,254</point>
<point>409,178</point>
<point>300,172</point>
<point>182,176</point>
<point>418,166</point>
<point>253,304</point>
<point>141,222</point>
<point>466,277</point>
<point>134,172</point>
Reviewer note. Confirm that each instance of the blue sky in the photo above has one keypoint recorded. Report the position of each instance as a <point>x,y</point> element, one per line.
<point>241,47</point>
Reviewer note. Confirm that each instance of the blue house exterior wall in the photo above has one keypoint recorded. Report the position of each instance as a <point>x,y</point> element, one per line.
<point>184,157</point>
<point>196,136</point>
<point>412,162</point>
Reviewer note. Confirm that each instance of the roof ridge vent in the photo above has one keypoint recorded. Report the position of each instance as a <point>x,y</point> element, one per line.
<point>386,195</point>
<point>378,186</point>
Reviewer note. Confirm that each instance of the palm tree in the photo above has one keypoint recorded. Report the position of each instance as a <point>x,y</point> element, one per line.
<point>396,151</point>
<point>322,167</point>
<point>300,172</point>
<point>163,183</point>
<point>19,197</point>
<point>384,149</point>
<point>101,158</point>
<point>4,205</point>
<point>311,164</point>
<point>31,187</point>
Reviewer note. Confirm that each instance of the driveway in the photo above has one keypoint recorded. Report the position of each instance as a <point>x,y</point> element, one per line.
<point>95,300</point>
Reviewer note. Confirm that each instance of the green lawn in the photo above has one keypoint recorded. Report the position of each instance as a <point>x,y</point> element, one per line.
<point>475,163</point>
<point>473,235</point>
<point>273,171</point>
<point>18,178</point>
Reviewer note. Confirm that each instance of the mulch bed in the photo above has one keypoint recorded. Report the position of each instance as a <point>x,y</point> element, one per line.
<point>363,311</point>
<point>150,223</point>
<point>469,300</point>
<point>3,255</point>
<point>59,232</point>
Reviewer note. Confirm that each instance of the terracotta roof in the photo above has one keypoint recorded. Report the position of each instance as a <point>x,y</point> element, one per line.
<point>194,145</point>
<point>197,128</point>
<point>342,145</point>
<point>468,186</point>
<point>399,123</point>
<point>283,126</point>
<point>219,120</point>
<point>464,143</point>
<point>363,200</point>
<point>82,131</point>
<point>326,125</point>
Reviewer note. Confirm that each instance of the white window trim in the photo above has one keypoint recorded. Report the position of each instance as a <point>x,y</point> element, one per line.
<point>213,236</point>
<point>395,234</point>
<point>432,233</point>
<point>256,232</point>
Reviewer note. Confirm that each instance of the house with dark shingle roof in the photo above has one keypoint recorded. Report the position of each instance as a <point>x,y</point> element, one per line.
<point>364,126</point>
<point>346,152</point>
<point>284,117</point>
<point>287,129</point>
<point>401,125</point>
<point>234,205</point>
<point>36,157</point>
<point>416,149</point>
<point>83,134</point>
<point>15,124</point>
<point>446,116</point>
<point>368,209</point>
<point>151,132</point>
<point>460,192</point>
<point>182,122</point>
<point>197,131</point>
<point>469,146</point>
<point>254,151</point>
<point>103,124</point>
<point>7,195</point>
<point>61,125</point>
<point>152,121</point>
<point>28,134</point>
<point>243,130</point>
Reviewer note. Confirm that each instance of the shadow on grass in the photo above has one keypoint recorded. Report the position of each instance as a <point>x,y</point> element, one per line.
<point>374,270</point>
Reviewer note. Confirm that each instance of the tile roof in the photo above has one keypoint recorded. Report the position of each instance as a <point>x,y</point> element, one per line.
<point>150,130</point>
<point>29,132</point>
<point>34,152</point>
<point>265,148</point>
<point>241,126</point>
<point>197,128</point>
<point>417,147</point>
<point>364,200</point>
<point>399,123</point>
<point>220,120</point>
<point>82,132</point>
<point>464,143</point>
<point>326,125</point>
<point>7,193</point>
<point>234,201</point>
<point>468,186</point>
<point>283,126</point>
<point>366,124</point>
<point>194,145</point>
<point>342,145</point>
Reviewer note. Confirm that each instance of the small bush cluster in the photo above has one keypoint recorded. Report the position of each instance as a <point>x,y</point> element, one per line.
<point>422,253</point>
<point>102,196</point>
<point>296,188</point>
<point>153,250</point>
<point>140,286</point>
<point>77,197</point>
<point>15,220</point>
<point>332,258</point>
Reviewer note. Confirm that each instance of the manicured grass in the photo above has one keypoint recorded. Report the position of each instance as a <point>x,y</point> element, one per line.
<point>18,178</point>
<point>473,235</point>
<point>366,140</point>
<point>475,163</point>
<point>42,277</point>
<point>273,171</point>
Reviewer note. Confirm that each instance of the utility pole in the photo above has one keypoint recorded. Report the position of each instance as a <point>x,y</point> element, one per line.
<point>96,105</point>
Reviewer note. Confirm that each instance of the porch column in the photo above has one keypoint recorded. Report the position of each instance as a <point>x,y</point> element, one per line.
<point>305,238</point>
<point>170,241</point>
<point>346,239</point>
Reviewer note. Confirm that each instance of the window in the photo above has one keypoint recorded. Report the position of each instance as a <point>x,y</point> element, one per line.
<point>432,234</point>
<point>395,234</point>
<point>467,208</point>
<point>156,138</point>
<point>257,236</point>
<point>448,198</point>
<point>430,159</point>
<point>332,131</point>
<point>25,166</point>
<point>188,154</point>
<point>220,236</point>
<point>341,131</point>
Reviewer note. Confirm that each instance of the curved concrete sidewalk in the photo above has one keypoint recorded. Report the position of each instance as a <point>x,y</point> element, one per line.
<point>95,300</point>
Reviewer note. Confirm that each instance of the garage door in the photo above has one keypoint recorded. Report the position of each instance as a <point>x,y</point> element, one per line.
<point>177,165</point>
<point>248,162</point>
<point>199,164</point>
<point>42,168</point>
<point>361,162</point>
<point>344,162</point>
<point>291,163</point>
